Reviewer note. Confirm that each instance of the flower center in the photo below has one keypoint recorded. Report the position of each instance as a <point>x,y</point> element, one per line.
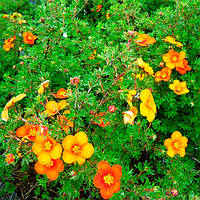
<point>174,58</point>
<point>29,38</point>
<point>76,149</point>
<point>47,145</point>
<point>176,145</point>
<point>179,88</point>
<point>108,179</point>
<point>163,75</point>
<point>32,132</point>
<point>50,164</point>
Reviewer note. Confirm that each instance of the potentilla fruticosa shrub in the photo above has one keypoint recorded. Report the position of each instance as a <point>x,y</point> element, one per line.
<point>100,100</point>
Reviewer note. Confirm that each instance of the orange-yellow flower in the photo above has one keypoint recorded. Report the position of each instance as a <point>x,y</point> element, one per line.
<point>102,122</point>
<point>62,93</point>
<point>8,44</point>
<point>144,66</point>
<point>148,106</point>
<point>46,148</point>
<point>16,15</point>
<point>53,107</point>
<point>4,114</point>
<point>174,59</point>
<point>107,179</point>
<point>176,144</point>
<point>130,115</point>
<point>29,130</point>
<point>183,69</point>
<point>107,15</point>
<point>29,38</point>
<point>51,170</point>
<point>144,39</point>
<point>77,148</point>
<point>171,40</point>
<point>179,87</point>
<point>65,123</point>
<point>10,158</point>
<point>43,86</point>
<point>163,75</point>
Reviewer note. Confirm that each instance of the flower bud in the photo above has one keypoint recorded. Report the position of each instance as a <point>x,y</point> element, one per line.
<point>174,192</point>
<point>74,81</point>
<point>111,108</point>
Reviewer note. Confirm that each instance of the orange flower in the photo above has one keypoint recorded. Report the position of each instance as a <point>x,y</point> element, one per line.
<point>8,44</point>
<point>183,69</point>
<point>148,106</point>
<point>51,170</point>
<point>4,114</point>
<point>43,86</point>
<point>77,148</point>
<point>144,40</point>
<point>171,40</point>
<point>179,87</point>
<point>29,130</point>
<point>163,75</point>
<point>98,9</point>
<point>176,144</point>
<point>101,119</point>
<point>144,66</point>
<point>46,148</point>
<point>174,59</point>
<point>62,93</point>
<point>65,123</point>
<point>10,158</point>
<point>53,107</point>
<point>29,38</point>
<point>130,115</point>
<point>107,179</point>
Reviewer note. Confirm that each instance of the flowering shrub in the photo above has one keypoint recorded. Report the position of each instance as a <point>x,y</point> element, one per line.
<point>99,99</point>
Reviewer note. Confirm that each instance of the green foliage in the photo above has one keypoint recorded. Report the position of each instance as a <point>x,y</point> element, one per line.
<point>68,33</point>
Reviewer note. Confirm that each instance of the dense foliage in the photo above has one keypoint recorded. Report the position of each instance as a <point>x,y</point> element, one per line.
<point>117,97</point>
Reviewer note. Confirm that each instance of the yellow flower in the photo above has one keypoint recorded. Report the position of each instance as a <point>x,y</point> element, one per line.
<point>77,148</point>
<point>176,144</point>
<point>16,15</point>
<point>130,115</point>
<point>144,66</point>
<point>4,114</point>
<point>5,16</point>
<point>46,149</point>
<point>107,16</point>
<point>148,106</point>
<point>43,86</point>
<point>130,96</point>
<point>53,107</point>
<point>171,40</point>
<point>179,87</point>
<point>140,76</point>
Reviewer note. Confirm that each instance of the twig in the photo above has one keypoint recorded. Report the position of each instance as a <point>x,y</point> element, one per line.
<point>80,10</point>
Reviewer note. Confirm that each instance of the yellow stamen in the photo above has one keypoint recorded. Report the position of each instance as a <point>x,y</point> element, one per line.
<point>174,59</point>
<point>47,145</point>
<point>76,149</point>
<point>108,179</point>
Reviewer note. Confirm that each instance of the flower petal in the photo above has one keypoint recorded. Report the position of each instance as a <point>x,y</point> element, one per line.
<point>176,135</point>
<point>170,152</point>
<point>87,150</point>
<point>102,165</point>
<point>168,143</point>
<point>21,131</point>
<point>56,151</point>
<point>68,142</point>
<point>68,157</point>
<point>117,170</point>
<point>40,169</point>
<point>81,138</point>
<point>37,148</point>
<point>44,158</point>
<point>80,160</point>
<point>97,181</point>
<point>52,174</point>
<point>105,193</point>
